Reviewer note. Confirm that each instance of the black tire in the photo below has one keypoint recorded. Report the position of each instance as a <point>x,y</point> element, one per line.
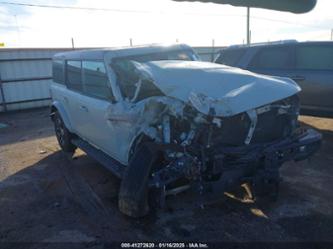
<point>133,193</point>
<point>63,135</point>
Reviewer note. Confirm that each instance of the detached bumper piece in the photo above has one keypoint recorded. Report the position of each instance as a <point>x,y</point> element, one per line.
<point>263,174</point>
<point>257,165</point>
<point>296,149</point>
<point>308,145</point>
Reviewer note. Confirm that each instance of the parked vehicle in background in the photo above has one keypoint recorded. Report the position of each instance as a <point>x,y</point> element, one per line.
<point>310,64</point>
<point>164,122</point>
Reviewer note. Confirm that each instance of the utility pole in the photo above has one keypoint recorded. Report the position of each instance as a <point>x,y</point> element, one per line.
<point>248,40</point>
<point>213,50</point>
<point>131,42</point>
<point>73,43</point>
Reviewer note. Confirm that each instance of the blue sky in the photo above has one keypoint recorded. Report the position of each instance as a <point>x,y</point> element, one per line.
<point>148,21</point>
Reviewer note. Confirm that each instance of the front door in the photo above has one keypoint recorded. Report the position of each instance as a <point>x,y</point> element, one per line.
<point>314,73</point>
<point>96,105</point>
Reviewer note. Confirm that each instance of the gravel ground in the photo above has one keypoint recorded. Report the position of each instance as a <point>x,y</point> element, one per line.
<point>47,197</point>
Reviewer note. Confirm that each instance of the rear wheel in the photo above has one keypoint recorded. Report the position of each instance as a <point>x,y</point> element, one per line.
<point>63,135</point>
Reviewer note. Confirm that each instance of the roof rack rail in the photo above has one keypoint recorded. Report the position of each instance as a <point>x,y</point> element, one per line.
<point>264,43</point>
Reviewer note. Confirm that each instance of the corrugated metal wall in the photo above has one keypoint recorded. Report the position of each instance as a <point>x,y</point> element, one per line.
<point>25,76</point>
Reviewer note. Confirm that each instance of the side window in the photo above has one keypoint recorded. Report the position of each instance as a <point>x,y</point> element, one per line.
<point>74,80</point>
<point>314,57</point>
<point>230,57</point>
<point>273,58</point>
<point>58,71</point>
<point>95,80</point>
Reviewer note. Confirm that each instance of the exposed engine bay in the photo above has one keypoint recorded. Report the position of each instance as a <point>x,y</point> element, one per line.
<point>204,149</point>
<point>212,143</point>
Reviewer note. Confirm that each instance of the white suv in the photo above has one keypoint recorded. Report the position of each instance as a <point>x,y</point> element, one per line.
<point>165,122</point>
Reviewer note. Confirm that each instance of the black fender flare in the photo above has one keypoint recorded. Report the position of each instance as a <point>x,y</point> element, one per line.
<point>57,106</point>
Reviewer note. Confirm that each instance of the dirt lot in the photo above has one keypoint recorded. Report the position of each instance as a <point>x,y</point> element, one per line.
<point>46,197</point>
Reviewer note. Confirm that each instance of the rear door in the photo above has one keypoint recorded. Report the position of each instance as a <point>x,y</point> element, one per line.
<point>314,73</point>
<point>73,97</point>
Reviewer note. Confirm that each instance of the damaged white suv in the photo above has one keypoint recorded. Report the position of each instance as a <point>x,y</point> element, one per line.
<point>165,122</point>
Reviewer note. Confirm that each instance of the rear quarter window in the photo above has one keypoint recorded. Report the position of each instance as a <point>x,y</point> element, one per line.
<point>58,72</point>
<point>314,57</point>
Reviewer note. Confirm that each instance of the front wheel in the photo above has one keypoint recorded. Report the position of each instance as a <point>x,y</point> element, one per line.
<point>63,135</point>
<point>133,194</point>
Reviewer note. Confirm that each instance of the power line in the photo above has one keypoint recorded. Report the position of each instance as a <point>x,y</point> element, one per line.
<point>286,22</point>
<point>73,7</point>
<point>108,9</point>
<point>149,11</point>
<point>112,10</point>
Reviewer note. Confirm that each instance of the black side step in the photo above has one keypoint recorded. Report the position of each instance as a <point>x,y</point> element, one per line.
<point>108,162</point>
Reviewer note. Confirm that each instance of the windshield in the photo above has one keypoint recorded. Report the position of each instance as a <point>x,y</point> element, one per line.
<point>184,55</point>
<point>128,77</point>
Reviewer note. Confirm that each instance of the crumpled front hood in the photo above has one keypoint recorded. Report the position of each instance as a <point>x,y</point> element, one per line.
<point>213,87</point>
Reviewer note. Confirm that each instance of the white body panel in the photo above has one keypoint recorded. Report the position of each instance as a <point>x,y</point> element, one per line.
<point>113,127</point>
<point>228,90</point>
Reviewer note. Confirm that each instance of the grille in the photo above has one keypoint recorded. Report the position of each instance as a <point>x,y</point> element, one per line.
<point>271,125</point>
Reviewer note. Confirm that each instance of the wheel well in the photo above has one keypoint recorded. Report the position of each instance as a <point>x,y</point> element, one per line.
<point>142,138</point>
<point>53,111</point>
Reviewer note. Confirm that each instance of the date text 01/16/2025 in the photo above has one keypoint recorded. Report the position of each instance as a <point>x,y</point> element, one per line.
<point>164,245</point>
